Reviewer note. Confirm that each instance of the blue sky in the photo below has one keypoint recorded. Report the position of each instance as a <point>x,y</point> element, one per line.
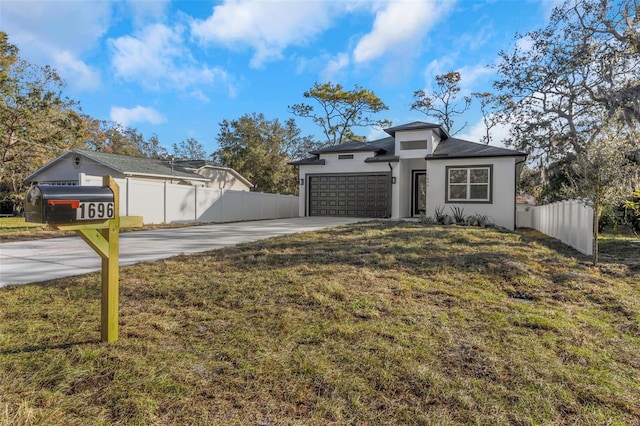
<point>178,68</point>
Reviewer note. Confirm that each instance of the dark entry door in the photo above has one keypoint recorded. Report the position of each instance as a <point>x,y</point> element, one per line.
<point>419,200</point>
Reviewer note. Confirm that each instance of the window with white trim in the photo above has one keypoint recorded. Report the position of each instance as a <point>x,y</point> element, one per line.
<point>470,184</point>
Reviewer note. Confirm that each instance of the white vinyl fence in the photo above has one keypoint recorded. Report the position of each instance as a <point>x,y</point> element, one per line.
<point>159,202</point>
<point>569,221</point>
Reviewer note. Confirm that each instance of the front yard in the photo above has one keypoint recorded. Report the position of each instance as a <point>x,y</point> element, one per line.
<point>375,323</point>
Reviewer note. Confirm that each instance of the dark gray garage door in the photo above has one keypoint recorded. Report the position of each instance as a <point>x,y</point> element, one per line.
<point>350,195</point>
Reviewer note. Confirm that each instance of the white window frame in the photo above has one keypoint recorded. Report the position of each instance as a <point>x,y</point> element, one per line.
<point>468,184</point>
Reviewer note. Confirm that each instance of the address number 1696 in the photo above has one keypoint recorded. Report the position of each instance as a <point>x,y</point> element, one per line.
<point>95,210</point>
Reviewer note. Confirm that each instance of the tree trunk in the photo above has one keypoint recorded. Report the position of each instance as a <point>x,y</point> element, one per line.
<point>596,221</point>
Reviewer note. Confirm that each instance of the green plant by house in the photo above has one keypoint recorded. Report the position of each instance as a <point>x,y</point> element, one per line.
<point>439,214</point>
<point>458,214</point>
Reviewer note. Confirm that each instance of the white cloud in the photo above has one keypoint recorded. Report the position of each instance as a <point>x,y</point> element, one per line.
<point>475,40</point>
<point>399,23</point>
<point>437,66</point>
<point>41,31</point>
<point>334,65</point>
<point>137,114</point>
<point>36,26</point>
<point>265,26</point>
<point>470,75</point>
<point>197,94</point>
<point>147,11</point>
<point>80,76</point>
<point>157,58</point>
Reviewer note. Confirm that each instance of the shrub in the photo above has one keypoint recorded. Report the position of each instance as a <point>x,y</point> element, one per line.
<point>439,215</point>
<point>458,214</point>
<point>478,219</point>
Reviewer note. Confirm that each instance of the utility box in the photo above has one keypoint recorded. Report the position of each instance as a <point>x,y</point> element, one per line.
<point>67,204</point>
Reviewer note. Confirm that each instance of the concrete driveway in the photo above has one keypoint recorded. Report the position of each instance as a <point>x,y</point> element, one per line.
<point>42,260</point>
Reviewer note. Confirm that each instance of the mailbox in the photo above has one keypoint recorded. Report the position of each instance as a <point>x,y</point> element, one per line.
<point>67,204</point>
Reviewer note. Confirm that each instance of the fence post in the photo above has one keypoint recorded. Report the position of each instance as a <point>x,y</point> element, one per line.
<point>195,203</point>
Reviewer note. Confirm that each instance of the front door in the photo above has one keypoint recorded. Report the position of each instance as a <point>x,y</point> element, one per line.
<point>419,199</point>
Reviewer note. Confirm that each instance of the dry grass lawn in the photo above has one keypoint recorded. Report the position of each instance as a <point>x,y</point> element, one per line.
<point>375,323</point>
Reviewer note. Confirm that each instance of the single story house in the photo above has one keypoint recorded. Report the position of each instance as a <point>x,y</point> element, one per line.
<point>419,167</point>
<point>67,170</point>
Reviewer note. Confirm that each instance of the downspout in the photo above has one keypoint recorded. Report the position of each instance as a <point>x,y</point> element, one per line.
<point>391,194</point>
<point>306,198</point>
<point>515,193</point>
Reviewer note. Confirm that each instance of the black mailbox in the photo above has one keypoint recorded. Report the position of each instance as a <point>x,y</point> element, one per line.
<point>66,204</point>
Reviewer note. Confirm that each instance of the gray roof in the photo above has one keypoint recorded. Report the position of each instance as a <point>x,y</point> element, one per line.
<point>459,148</point>
<point>350,146</point>
<point>138,165</point>
<point>384,144</point>
<point>310,161</point>
<point>194,164</point>
<point>384,149</point>
<point>416,125</point>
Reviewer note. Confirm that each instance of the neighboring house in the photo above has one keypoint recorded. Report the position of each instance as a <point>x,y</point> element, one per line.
<point>66,170</point>
<point>420,167</point>
<point>219,177</point>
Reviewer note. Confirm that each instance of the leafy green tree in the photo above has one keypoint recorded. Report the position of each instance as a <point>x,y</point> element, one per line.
<point>632,210</point>
<point>341,111</point>
<point>189,149</point>
<point>602,174</point>
<point>107,136</point>
<point>36,122</point>
<point>260,150</point>
<point>442,102</point>
<point>573,91</point>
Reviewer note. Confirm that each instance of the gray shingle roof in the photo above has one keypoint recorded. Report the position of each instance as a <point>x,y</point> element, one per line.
<point>384,144</point>
<point>310,161</point>
<point>384,149</point>
<point>138,165</point>
<point>350,146</point>
<point>416,125</point>
<point>194,164</point>
<point>459,148</point>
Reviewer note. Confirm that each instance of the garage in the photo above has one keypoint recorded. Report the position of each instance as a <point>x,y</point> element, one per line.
<point>355,195</point>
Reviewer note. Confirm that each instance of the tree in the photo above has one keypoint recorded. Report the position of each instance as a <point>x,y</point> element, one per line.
<point>113,138</point>
<point>555,93</point>
<point>260,150</point>
<point>342,111</point>
<point>568,94</point>
<point>489,119</point>
<point>189,149</point>
<point>609,33</point>
<point>441,103</point>
<point>601,175</point>
<point>36,122</point>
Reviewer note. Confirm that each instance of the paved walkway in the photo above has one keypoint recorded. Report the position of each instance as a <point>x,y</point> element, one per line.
<point>42,260</point>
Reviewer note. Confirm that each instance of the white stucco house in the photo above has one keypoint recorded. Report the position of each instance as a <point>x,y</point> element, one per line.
<point>418,167</point>
<point>68,168</point>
